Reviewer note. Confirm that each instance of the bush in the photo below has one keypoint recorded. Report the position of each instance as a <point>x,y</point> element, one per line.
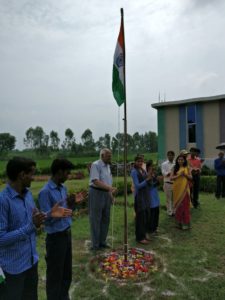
<point>208,184</point>
<point>120,188</point>
<point>206,171</point>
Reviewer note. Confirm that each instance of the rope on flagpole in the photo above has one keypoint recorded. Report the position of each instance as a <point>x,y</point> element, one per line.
<point>117,176</point>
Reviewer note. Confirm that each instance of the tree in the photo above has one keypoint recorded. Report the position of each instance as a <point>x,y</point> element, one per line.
<point>100,143</point>
<point>88,141</point>
<point>136,142</point>
<point>107,140</point>
<point>153,142</point>
<point>118,143</point>
<point>35,138</point>
<point>39,137</point>
<point>150,142</point>
<point>54,140</point>
<point>29,140</point>
<point>114,145</point>
<point>7,142</point>
<point>69,139</point>
<point>103,142</point>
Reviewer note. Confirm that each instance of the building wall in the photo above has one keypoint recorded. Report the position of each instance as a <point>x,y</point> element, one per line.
<point>182,127</point>
<point>172,129</point>
<point>161,134</point>
<point>210,129</point>
<point>211,132</point>
<point>222,121</point>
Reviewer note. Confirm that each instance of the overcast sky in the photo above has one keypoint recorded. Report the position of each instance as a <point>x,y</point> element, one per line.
<point>56,61</point>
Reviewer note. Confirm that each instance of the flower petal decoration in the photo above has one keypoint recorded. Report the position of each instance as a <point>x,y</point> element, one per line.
<point>138,265</point>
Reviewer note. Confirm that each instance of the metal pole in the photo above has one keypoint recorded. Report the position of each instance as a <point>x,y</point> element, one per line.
<point>125,149</point>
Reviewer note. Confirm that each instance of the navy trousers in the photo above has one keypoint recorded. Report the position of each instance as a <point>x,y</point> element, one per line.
<point>59,265</point>
<point>21,286</point>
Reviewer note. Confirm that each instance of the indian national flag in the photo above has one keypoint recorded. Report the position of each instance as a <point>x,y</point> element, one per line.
<point>2,276</point>
<point>118,84</point>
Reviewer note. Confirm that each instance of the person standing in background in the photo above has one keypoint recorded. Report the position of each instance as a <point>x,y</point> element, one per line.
<point>185,153</point>
<point>166,169</point>
<point>195,166</point>
<point>154,198</point>
<point>219,165</point>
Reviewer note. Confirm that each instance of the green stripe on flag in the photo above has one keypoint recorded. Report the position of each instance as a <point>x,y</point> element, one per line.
<point>2,276</point>
<point>117,87</point>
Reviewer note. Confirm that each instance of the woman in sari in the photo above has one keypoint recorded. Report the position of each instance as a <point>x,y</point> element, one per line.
<point>181,177</point>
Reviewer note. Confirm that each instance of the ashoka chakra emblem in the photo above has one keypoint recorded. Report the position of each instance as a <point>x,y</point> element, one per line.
<point>119,61</point>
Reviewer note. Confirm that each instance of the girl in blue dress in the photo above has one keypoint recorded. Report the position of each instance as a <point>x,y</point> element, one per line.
<point>154,198</point>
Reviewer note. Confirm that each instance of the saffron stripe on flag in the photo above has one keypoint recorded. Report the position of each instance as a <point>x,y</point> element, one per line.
<point>118,82</point>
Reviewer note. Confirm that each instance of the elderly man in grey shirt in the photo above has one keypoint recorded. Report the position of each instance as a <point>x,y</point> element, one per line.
<point>100,199</point>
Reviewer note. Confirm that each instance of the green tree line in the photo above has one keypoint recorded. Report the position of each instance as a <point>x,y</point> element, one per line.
<point>42,143</point>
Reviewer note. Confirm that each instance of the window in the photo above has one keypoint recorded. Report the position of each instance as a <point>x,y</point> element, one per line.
<point>191,123</point>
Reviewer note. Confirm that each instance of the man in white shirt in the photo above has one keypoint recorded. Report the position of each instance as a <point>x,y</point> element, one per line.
<point>100,198</point>
<point>166,168</point>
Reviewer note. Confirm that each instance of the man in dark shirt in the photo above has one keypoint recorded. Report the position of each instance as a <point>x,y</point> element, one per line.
<point>219,165</point>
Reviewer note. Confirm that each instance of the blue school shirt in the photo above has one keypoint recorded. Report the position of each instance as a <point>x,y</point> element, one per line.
<point>154,197</point>
<point>17,231</point>
<point>48,197</point>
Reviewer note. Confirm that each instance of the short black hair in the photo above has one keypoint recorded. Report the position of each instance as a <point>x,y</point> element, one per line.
<point>16,165</point>
<point>170,152</point>
<point>61,164</point>
<point>197,150</point>
<point>138,157</point>
<point>149,164</point>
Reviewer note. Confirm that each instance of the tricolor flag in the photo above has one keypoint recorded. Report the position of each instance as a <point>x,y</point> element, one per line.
<point>2,276</point>
<point>118,83</point>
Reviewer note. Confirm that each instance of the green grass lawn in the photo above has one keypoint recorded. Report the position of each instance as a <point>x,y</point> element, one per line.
<point>192,263</point>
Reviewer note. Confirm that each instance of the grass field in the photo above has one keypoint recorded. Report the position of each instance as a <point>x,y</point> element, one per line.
<point>192,264</point>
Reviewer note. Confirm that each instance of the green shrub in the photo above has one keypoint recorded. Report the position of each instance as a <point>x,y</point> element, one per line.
<point>208,184</point>
<point>120,188</point>
<point>206,171</point>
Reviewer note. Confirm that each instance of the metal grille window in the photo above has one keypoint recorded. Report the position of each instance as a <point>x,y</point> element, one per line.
<point>191,123</point>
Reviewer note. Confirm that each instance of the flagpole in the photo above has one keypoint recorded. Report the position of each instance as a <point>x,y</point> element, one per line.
<point>125,149</point>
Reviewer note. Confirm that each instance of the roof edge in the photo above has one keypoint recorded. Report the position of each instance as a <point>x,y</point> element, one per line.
<point>191,100</point>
